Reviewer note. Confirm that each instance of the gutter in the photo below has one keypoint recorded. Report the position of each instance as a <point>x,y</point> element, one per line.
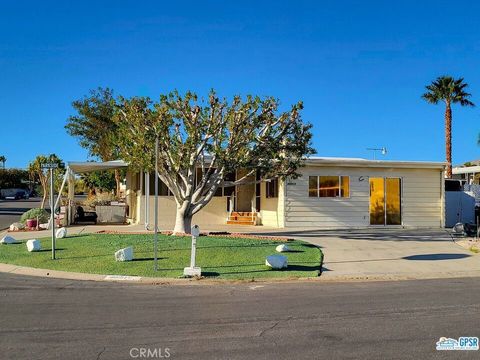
<point>376,163</point>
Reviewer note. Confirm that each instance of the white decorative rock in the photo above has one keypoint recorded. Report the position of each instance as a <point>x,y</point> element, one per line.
<point>61,233</point>
<point>43,226</point>
<point>192,271</point>
<point>125,254</point>
<point>33,245</point>
<point>276,261</point>
<point>16,226</point>
<point>282,248</point>
<point>8,240</point>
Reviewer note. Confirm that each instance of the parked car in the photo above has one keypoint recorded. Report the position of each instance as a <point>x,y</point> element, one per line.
<point>15,194</point>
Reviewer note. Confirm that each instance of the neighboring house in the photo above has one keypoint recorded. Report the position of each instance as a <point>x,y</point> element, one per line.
<point>467,174</point>
<point>331,193</point>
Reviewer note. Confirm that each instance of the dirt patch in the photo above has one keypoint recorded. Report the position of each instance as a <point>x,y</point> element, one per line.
<point>471,244</point>
<point>223,234</point>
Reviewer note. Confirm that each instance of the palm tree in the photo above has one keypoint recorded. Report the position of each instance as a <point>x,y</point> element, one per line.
<point>450,91</point>
<point>3,160</point>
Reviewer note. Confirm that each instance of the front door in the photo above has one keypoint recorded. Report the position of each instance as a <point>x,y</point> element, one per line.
<point>385,201</point>
<point>245,193</point>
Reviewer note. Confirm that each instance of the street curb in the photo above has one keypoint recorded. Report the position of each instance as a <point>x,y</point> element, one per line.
<point>56,274</point>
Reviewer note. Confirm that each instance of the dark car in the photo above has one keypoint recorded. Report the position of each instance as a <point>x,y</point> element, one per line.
<point>16,195</point>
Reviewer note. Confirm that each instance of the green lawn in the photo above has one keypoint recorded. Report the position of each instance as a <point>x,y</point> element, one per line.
<point>219,257</point>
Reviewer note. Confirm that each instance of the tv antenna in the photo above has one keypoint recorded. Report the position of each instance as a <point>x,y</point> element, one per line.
<point>383,151</point>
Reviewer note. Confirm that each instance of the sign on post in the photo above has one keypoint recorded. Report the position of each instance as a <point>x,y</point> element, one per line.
<point>193,270</point>
<point>52,166</point>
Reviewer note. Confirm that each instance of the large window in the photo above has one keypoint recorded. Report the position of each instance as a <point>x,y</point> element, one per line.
<point>229,190</point>
<point>163,189</point>
<point>329,186</point>
<point>272,188</point>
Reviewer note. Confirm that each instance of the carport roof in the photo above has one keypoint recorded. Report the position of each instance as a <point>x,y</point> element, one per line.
<point>89,166</point>
<point>466,170</point>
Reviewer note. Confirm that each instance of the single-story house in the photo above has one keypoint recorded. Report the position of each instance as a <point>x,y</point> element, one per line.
<point>330,193</point>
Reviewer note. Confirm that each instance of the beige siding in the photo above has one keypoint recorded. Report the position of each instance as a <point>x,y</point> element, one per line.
<point>268,208</point>
<point>421,201</point>
<point>214,213</point>
<point>281,203</point>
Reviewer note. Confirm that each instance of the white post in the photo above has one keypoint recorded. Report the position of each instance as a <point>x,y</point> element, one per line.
<point>58,197</point>
<point>231,201</point>
<point>155,211</point>
<point>52,211</point>
<point>193,270</point>
<point>147,199</point>
<point>193,252</point>
<point>61,188</point>
<point>71,196</point>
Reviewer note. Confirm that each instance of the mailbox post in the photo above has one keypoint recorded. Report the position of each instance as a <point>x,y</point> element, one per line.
<point>193,270</point>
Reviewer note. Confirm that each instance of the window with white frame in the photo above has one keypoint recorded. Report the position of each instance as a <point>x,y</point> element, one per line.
<point>329,186</point>
<point>272,188</point>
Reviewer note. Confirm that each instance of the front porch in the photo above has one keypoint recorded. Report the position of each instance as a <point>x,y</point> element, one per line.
<point>249,204</point>
<point>242,218</point>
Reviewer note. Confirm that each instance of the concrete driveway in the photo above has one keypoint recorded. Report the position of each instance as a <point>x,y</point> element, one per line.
<point>390,254</point>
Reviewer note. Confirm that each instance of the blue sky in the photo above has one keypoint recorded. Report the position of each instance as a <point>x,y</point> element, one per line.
<point>360,67</point>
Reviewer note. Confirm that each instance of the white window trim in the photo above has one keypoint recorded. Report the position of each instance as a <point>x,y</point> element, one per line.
<point>266,189</point>
<point>340,188</point>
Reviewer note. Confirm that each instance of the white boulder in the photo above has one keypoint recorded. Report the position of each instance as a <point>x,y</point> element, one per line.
<point>33,245</point>
<point>43,226</point>
<point>125,254</point>
<point>192,271</point>
<point>276,261</point>
<point>8,240</point>
<point>61,233</point>
<point>282,248</point>
<point>16,226</point>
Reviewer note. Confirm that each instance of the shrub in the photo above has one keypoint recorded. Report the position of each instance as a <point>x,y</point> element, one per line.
<point>100,199</point>
<point>42,214</point>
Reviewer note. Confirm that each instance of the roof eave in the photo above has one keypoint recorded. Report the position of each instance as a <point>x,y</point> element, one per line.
<point>376,163</point>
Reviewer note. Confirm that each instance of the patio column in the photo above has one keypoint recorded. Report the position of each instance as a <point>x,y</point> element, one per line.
<point>71,197</point>
<point>147,200</point>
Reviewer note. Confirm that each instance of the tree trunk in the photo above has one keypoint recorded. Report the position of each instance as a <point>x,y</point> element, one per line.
<point>117,181</point>
<point>183,222</point>
<point>45,193</point>
<point>44,198</point>
<point>448,139</point>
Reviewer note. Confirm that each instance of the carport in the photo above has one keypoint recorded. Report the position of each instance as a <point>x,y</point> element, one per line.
<point>77,167</point>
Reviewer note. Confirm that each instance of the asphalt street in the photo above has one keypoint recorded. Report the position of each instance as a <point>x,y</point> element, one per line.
<point>11,210</point>
<point>43,318</point>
